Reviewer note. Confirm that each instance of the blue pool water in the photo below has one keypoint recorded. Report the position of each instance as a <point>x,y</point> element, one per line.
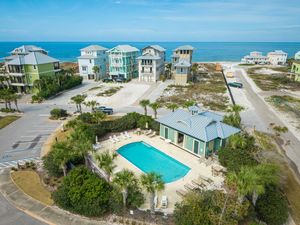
<point>149,159</point>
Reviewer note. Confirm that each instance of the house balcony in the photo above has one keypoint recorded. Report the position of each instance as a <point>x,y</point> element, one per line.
<point>18,84</point>
<point>17,74</point>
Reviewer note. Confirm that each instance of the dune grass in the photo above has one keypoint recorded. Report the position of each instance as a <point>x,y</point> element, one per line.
<point>6,120</point>
<point>29,182</point>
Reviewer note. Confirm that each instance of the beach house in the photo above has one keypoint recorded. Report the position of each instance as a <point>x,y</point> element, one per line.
<point>199,132</point>
<point>151,63</point>
<point>255,58</point>
<point>123,62</point>
<point>26,49</point>
<point>297,56</point>
<point>27,64</point>
<point>278,57</point>
<point>181,64</point>
<point>92,62</point>
<point>296,70</point>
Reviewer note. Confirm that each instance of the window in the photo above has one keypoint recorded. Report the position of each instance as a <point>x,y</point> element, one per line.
<point>34,67</point>
<point>84,68</point>
<point>90,61</point>
<point>181,70</point>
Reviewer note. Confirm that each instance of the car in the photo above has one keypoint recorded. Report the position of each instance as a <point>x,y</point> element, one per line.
<point>104,109</point>
<point>120,80</point>
<point>235,84</point>
<point>107,80</point>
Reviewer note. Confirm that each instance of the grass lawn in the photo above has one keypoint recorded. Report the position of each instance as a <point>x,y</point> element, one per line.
<point>274,81</point>
<point>30,183</point>
<point>5,120</point>
<point>209,91</point>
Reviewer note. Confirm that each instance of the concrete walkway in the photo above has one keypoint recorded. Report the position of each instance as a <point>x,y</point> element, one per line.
<point>37,210</point>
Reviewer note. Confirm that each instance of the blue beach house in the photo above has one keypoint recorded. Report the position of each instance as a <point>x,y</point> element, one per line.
<point>201,133</point>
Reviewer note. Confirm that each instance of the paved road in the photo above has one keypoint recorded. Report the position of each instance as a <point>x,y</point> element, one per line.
<point>258,113</point>
<point>9,215</point>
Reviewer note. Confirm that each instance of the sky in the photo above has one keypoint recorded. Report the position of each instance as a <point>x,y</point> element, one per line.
<point>150,20</point>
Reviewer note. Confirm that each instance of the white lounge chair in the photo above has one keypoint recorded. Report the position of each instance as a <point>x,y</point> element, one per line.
<point>148,132</point>
<point>115,138</point>
<point>181,192</point>
<point>127,134</point>
<point>112,139</point>
<point>123,135</point>
<point>164,201</point>
<point>152,135</point>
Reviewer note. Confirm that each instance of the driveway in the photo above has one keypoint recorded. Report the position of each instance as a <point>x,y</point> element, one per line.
<point>259,114</point>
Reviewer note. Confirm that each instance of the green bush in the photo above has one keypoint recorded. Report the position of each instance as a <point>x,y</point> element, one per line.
<point>272,207</point>
<point>36,99</point>
<point>83,192</point>
<point>51,166</point>
<point>57,113</point>
<point>238,153</point>
<point>86,117</point>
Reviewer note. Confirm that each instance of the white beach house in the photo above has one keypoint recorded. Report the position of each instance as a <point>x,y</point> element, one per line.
<point>91,56</point>
<point>278,57</point>
<point>181,64</point>
<point>151,63</point>
<point>255,58</point>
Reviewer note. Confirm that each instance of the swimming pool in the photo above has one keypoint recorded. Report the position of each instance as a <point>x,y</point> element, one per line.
<point>149,159</point>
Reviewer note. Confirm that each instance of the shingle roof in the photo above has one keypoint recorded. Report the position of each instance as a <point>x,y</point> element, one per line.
<point>94,48</point>
<point>24,49</point>
<point>149,56</point>
<point>184,47</point>
<point>125,48</point>
<point>157,47</point>
<point>200,126</point>
<point>33,58</point>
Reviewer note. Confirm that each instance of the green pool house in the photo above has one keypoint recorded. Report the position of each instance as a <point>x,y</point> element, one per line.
<point>199,132</point>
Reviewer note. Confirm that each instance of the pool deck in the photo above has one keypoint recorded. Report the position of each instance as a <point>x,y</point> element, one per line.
<point>196,168</point>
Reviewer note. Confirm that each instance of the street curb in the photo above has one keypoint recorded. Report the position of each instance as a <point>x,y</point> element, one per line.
<point>29,213</point>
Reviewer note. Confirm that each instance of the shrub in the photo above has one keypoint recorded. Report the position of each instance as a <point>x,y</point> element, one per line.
<point>36,99</point>
<point>51,166</point>
<point>86,117</point>
<point>272,207</point>
<point>83,192</point>
<point>57,113</point>
<point>238,152</point>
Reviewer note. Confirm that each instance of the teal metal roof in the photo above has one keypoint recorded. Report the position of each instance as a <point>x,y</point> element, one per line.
<point>205,126</point>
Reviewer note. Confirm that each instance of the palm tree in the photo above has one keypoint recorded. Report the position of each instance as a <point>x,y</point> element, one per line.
<point>236,109</point>
<point>15,98</point>
<point>78,100</point>
<point>237,140</point>
<point>99,116</point>
<point>125,179</point>
<point>82,142</point>
<point>106,162</point>
<point>91,104</point>
<point>194,70</point>
<point>168,71</point>
<point>253,180</point>
<point>144,103</point>
<point>155,106</point>
<point>152,182</point>
<point>96,70</point>
<point>172,106</point>
<point>188,103</point>
<point>62,155</point>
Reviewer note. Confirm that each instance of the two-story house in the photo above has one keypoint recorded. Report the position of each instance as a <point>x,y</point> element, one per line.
<point>123,62</point>
<point>181,64</point>
<point>27,64</point>
<point>151,63</point>
<point>91,57</point>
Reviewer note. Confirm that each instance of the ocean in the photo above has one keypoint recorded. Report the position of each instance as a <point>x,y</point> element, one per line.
<point>204,51</point>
